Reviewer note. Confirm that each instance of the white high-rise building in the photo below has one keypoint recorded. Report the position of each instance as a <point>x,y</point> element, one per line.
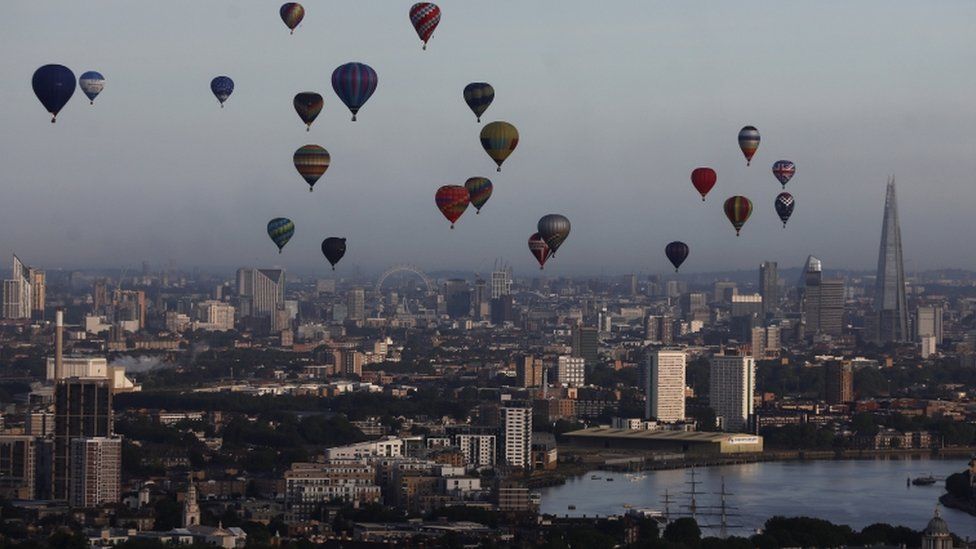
<point>665,389</point>
<point>96,471</point>
<point>733,384</point>
<point>928,322</point>
<point>478,449</point>
<point>501,283</point>
<point>17,297</point>
<point>262,293</point>
<point>212,315</point>
<point>571,371</point>
<point>516,429</point>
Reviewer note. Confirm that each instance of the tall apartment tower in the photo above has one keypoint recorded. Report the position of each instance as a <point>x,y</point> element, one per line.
<point>528,371</point>
<point>356,304</point>
<point>571,371</point>
<point>586,344</point>
<point>838,382</point>
<point>769,288</point>
<point>823,301</point>
<point>733,385</point>
<point>501,283</point>
<point>262,293</point>
<point>665,386</point>
<point>928,322</point>
<point>95,471</point>
<point>889,292</point>
<point>17,296</point>
<point>515,422</point>
<point>82,409</point>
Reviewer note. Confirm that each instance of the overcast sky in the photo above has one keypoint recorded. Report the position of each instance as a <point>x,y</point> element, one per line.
<point>615,102</point>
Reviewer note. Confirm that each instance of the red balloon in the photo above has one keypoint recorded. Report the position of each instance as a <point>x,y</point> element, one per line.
<point>452,200</point>
<point>540,250</point>
<point>425,16</point>
<point>738,209</point>
<point>703,179</point>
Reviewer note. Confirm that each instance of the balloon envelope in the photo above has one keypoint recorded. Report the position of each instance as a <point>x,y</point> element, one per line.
<point>539,249</point>
<point>703,179</point>
<point>553,228</point>
<point>479,191</point>
<point>452,200</point>
<point>425,16</point>
<point>53,85</point>
<point>784,170</point>
<point>292,14</point>
<point>784,205</point>
<point>308,105</point>
<point>499,139</point>
<point>333,248</point>
<point>354,83</point>
<point>677,252</point>
<point>91,83</point>
<point>311,161</point>
<point>281,229</point>
<point>222,87</point>
<point>748,142</point>
<point>478,96</point>
<point>738,209</point>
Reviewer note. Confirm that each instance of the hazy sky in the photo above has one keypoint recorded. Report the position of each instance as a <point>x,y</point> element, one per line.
<point>615,102</point>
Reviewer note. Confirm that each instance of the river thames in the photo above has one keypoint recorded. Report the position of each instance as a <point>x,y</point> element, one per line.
<point>852,492</point>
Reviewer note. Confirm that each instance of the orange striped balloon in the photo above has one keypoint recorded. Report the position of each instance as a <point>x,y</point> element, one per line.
<point>311,161</point>
<point>738,209</point>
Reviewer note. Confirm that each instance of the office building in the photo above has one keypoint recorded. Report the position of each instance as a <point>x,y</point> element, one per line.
<point>82,409</point>
<point>17,296</point>
<point>348,362</point>
<point>586,344</point>
<point>356,305</point>
<point>769,288</point>
<point>694,306</point>
<point>214,316</point>
<point>515,422</point>
<point>130,305</point>
<point>732,381</point>
<point>528,371</point>
<point>457,296</point>
<point>481,300</point>
<point>823,302</point>
<point>95,471</point>
<point>838,382</point>
<point>890,303</point>
<point>501,283</point>
<point>571,371</point>
<point>262,294</point>
<point>502,310</point>
<point>18,458</point>
<point>747,305</point>
<point>765,342</point>
<point>310,485</point>
<point>659,329</point>
<point>665,386</point>
<point>928,322</point>
<point>723,290</point>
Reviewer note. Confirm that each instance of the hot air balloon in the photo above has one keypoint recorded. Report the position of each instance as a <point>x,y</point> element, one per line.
<point>53,85</point>
<point>425,16</point>
<point>292,14</point>
<point>738,209</point>
<point>499,139</point>
<point>479,191</point>
<point>478,96</point>
<point>784,170</point>
<point>354,83</point>
<point>333,248</point>
<point>311,161</point>
<point>784,206</point>
<point>308,105</point>
<point>281,229</point>
<point>222,87</point>
<point>703,179</point>
<point>749,142</point>
<point>452,200</point>
<point>677,252</point>
<point>540,250</point>
<point>553,228</point>
<point>91,83</point>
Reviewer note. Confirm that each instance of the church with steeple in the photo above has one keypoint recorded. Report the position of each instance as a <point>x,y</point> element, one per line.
<point>191,509</point>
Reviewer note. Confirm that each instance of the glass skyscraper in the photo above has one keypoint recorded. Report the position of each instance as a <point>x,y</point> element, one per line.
<point>889,292</point>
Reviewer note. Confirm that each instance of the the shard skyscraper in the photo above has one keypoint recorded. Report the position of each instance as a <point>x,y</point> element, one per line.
<point>889,293</point>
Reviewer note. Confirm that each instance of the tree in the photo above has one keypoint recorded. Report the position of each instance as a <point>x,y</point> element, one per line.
<point>684,531</point>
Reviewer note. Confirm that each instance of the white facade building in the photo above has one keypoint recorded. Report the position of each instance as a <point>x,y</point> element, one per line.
<point>571,371</point>
<point>516,428</point>
<point>478,449</point>
<point>665,390</point>
<point>733,385</point>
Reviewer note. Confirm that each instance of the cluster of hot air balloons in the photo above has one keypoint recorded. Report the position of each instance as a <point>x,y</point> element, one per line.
<point>551,231</point>
<point>55,84</point>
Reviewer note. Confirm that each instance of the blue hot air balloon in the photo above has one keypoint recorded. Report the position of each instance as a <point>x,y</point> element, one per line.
<point>91,83</point>
<point>354,83</point>
<point>281,229</point>
<point>222,87</point>
<point>53,86</point>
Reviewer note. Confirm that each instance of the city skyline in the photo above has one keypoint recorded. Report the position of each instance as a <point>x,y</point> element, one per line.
<point>212,177</point>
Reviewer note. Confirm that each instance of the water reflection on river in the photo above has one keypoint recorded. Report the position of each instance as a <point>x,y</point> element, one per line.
<point>853,492</point>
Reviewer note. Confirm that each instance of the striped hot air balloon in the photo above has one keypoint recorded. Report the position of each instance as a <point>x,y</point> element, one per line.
<point>281,229</point>
<point>499,139</point>
<point>539,249</point>
<point>749,142</point>
<point>311,161</point>
<point>354,83</point>
<point>479,191</point>
<point>292,14</point>
<point>784,170</point>
<point>478,96</point>
<point>784,205</point>
<point>452,200</point>
<point>425,16</point>
<point>738,209</point>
